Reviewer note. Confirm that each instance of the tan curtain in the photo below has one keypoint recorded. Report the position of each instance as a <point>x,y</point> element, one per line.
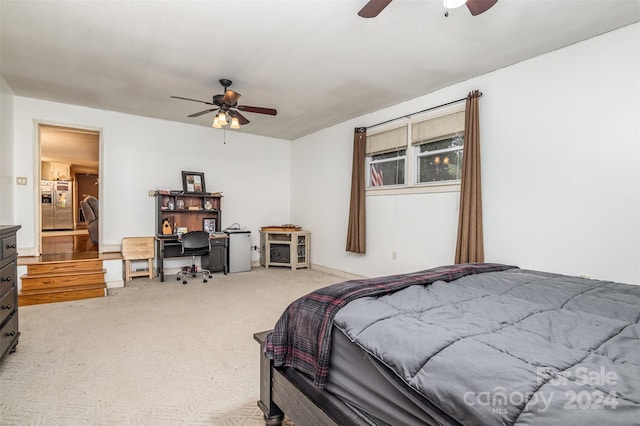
<point>357,227</point>
<point>470,246</point>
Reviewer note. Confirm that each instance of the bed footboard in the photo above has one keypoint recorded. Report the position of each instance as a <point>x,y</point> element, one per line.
<point>273,416</point>
<point>285,391</point>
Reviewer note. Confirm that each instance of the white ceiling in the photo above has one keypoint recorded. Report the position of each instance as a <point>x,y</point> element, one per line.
<point>317,62</point>
<point>77,147</point>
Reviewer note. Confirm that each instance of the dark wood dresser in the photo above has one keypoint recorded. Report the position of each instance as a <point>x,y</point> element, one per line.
<point>9,333</point>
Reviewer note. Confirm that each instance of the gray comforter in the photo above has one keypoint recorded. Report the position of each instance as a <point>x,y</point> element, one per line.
<point>515,347</point>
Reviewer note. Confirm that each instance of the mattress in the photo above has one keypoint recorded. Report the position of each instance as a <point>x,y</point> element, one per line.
<point>373,392</point>
<point>515,347</point>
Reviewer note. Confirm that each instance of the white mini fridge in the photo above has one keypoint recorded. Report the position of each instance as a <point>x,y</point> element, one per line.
<point>239,250</point>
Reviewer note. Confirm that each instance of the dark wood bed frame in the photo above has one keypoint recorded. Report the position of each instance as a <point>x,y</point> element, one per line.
<point>285,391</point>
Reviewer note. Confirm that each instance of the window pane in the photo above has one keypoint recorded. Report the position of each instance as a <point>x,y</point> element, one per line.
<point>456,141</point>
<point>390,172</point>
<point>440,167</point>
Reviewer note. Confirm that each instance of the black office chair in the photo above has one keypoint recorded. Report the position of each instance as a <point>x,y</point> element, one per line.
<point>194,243</point>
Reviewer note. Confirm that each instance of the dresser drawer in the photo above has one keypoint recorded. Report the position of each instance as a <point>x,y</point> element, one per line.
<point>8,247</point>
<point>9,334</point>
<point>8,304</point>
<point>7,278</point>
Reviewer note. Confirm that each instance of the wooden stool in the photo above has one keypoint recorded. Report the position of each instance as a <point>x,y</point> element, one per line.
<point>137,248</point>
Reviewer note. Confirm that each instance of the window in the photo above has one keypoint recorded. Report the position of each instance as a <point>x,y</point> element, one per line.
<point>435,146</point>
<point>386,157</point>
<point>439,161</point>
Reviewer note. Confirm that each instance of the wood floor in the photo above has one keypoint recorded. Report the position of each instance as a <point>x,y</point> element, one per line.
<point>69,268</point>
<point>57,248</point>
<point>68,244</point>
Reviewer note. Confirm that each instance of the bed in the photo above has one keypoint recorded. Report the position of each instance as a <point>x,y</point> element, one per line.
<point>480,344</point>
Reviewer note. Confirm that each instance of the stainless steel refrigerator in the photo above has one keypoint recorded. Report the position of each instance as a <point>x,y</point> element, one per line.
<point>57,204</point>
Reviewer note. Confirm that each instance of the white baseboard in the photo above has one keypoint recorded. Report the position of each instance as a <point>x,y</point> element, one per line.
<point>115,284</point>
<point>337,272</point>
<point>111,248</point>
<point>21,270</point>
<point>27,252</point>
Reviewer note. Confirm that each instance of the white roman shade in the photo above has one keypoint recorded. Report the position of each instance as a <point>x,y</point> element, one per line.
<point>437,128</point>
<point>391,140</point>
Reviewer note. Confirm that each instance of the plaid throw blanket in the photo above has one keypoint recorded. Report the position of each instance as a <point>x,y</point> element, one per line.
<point>302,336</point>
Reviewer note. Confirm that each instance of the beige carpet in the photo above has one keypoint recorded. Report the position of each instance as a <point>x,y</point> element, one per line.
<point>149,354</point>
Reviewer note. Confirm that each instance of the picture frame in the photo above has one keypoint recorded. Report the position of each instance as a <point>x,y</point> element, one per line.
<point>193,182</point>
<point>209,225</point>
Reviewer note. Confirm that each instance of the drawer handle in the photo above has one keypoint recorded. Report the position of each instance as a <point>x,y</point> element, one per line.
<point>11,333</point>
<point>11,246</point>
<point>7,279</point>
<point>6,307</point>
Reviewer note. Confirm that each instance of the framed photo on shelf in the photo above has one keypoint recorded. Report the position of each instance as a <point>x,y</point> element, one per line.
<point>193,182</point>
<point>209,225</point>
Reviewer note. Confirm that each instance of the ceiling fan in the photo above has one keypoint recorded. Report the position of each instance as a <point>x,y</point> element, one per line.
<point>476,7</point>
<point>227,108</point>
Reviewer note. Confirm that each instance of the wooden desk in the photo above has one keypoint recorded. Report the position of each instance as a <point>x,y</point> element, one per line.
<point>169,246</point>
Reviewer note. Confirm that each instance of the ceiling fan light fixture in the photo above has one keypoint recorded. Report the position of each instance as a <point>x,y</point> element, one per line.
<point>222,118</point>
<point>453,4</point>
<point>228,110</point>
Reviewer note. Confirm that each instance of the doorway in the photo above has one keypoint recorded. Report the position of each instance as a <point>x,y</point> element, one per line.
<point>69,172</point>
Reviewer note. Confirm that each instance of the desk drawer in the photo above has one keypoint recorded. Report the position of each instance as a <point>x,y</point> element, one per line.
<point>8,304</point>
<point>7,278</point>
<point>217,241</point>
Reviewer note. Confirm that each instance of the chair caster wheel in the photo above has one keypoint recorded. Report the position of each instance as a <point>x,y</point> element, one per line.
<point>177,278</point>
<point>184,282</point>
<point>204,281</point>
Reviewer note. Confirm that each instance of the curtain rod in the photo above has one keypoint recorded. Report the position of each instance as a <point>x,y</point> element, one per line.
<point>420,112</point>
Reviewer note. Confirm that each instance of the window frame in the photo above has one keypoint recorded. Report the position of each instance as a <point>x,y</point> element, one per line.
<point>369,162</point>
<point>386,150</point>
<point>418,155</point>
<point>411,156</point>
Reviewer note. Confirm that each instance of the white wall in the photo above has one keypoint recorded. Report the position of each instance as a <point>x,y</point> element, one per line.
<point>560,163</point>
<point>140,153</point>
<point>6,153</point>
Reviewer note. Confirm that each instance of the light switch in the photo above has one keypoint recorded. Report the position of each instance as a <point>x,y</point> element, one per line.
<point>21,180</point>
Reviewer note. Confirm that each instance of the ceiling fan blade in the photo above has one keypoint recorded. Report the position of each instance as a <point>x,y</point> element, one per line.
<point>194,100</point>
<point>476,7</point>
<point>373,8</point>
<point>231,97</point>
<point>198,114</point>
<point>241,118</point>
<point>259,110</point>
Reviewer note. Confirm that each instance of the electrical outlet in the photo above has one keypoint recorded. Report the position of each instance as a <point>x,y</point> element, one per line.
<point>393,255</point>
<point>152,193</point>
<point>21,180</point>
